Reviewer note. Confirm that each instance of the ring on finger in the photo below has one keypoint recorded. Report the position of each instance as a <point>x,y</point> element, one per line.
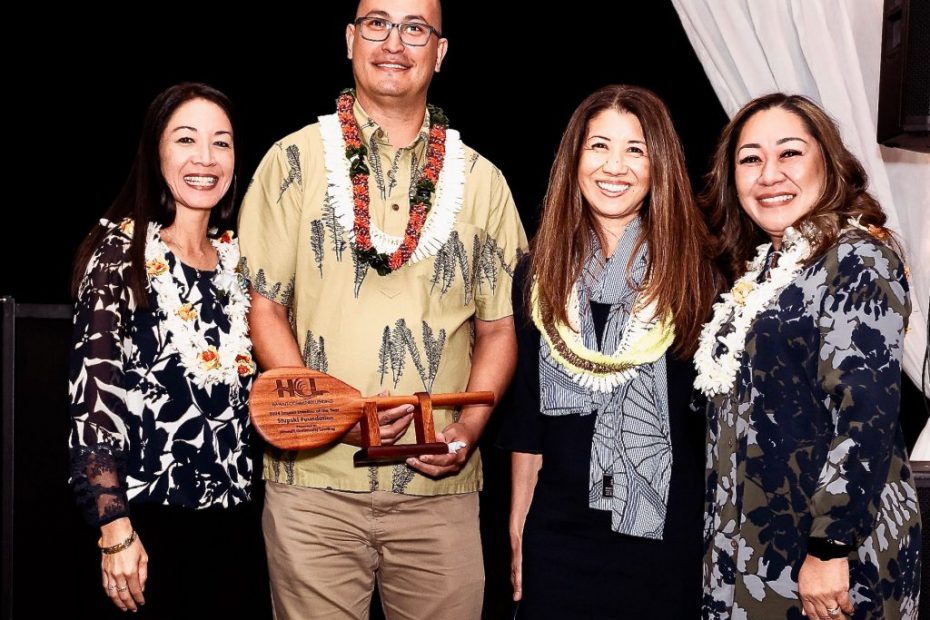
<point>123,589</point>
<point>833,611</point>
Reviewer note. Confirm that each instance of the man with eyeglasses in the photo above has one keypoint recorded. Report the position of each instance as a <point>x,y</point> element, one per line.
<point>380,249</point>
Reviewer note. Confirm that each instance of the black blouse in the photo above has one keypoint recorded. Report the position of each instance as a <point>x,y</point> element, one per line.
<point>141,430</point>
<point>565,440</point>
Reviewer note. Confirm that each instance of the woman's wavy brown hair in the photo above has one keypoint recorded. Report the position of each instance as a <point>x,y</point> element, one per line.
<point>680,276</point>
<point>844,193</point>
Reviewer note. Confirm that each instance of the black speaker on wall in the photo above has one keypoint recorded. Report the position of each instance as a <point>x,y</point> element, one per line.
<point>904,88</point>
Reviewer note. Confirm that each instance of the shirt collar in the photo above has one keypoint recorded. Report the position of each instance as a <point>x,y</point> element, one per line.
<point>370,129</point>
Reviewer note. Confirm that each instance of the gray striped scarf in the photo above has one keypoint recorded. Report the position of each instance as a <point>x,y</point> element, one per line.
<point>631,452</point>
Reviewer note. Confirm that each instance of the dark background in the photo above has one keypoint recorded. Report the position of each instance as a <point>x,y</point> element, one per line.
<point>509,83</point>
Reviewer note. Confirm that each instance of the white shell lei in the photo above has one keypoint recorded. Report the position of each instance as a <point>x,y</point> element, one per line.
<point>205,364</point>
<point>739,307</point>
<point>450,191</point>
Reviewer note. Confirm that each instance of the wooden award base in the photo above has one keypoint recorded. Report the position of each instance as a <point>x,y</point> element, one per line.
<point>373,452</point>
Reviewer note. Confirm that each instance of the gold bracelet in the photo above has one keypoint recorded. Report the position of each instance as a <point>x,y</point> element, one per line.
<point>117,547</point>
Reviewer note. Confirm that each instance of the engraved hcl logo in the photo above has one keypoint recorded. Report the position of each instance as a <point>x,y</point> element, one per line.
<point>300,387</point>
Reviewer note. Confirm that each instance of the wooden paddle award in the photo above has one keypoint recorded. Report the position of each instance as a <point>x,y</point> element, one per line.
<point>299,408</point>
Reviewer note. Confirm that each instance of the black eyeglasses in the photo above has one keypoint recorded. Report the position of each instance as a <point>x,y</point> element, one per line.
<point>377,29</point>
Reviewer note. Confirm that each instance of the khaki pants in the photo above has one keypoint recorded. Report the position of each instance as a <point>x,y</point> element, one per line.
<point>326,547</point>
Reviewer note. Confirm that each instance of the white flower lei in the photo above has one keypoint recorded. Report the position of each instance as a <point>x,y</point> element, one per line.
<point>450,191</point>
<point>205,364</point>
<point>739,307</point>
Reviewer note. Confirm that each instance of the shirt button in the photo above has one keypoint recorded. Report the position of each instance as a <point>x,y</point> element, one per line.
<point>730,443</point>
<point>735,544</point>
<point>395,207</point>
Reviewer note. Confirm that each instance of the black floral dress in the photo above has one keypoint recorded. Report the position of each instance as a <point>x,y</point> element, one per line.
<point>807,445</point>
<point>141,429</point>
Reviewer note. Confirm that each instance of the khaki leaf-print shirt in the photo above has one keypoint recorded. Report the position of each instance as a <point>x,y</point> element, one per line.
<point>409,331</point>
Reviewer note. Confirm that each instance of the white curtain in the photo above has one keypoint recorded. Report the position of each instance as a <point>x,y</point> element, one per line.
<point>830,51</point>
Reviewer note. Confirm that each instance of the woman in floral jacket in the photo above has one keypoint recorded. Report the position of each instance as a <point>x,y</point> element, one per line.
<point>810,504</point>
<point>161,368</point>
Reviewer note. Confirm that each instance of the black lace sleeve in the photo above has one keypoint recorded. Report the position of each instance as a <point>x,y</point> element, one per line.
<point>96,385</point>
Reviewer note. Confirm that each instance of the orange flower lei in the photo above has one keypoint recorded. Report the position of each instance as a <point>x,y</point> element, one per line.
<point>356,153</point>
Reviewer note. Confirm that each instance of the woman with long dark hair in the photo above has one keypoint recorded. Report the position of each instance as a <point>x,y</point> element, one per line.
<point>810,504</point>
<point>161,368</point>
<point>606,511</point>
